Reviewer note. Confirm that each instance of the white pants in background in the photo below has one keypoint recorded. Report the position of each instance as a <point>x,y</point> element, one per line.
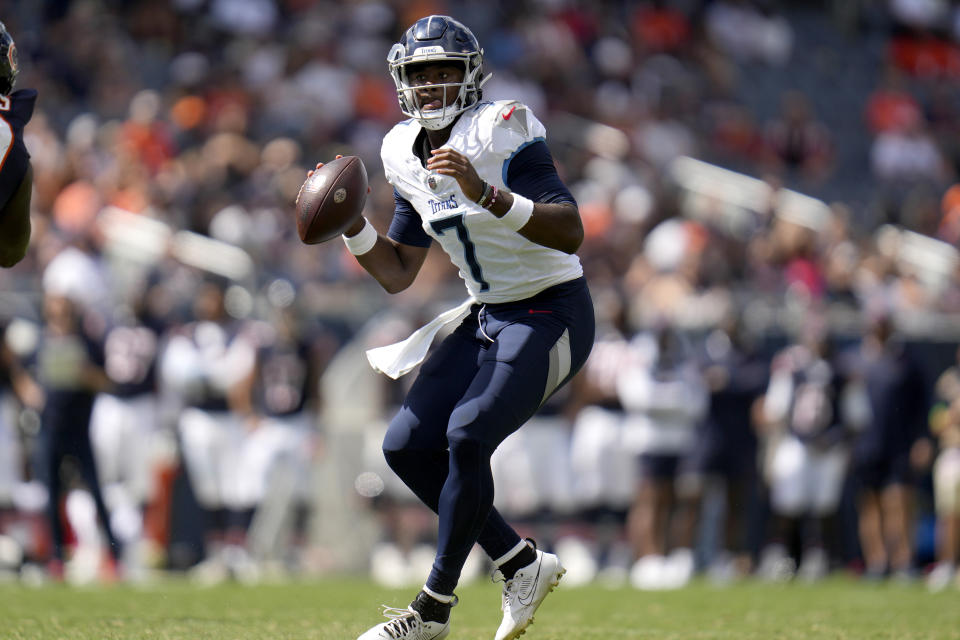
<point>212,444</point>
<point>804,479</point>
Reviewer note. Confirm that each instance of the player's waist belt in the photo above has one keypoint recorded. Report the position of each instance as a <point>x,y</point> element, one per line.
<point>399,358</point>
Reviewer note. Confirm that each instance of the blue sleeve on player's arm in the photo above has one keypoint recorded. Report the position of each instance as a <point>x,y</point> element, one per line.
<point>530,172</point>
<point>406,227</point>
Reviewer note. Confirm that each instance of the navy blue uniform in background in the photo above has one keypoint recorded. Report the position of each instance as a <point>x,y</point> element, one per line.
<point>15,112</point>
<point>898,400</point>
<point>65,426</point>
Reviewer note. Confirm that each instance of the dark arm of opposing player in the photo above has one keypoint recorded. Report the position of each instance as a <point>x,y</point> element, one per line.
<point>15,223</point>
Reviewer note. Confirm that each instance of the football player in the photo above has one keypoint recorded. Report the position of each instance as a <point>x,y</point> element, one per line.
<point>807,436</point>
<point>283,437</point>
<point>61,380</point>
<point>203,365</point>
<point>476,177</point>
<point>16,174</point>
<point>124,425</point>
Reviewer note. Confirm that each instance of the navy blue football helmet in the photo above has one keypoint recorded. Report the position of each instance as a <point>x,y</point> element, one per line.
<point>437,39</point>
<point>8,61</point>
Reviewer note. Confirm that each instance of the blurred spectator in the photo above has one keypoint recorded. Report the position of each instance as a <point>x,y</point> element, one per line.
<point>284,440</point>
<point>602,469</point>
<point>907,154</point>
<point>660,27</point>
<point>796,141</point>
<point>61,380</point>
<point>664,136</point>
<point>806,454</point>
<point>725,454</point>
<point>203,365</point>
<point>124,428</point>
<point>945,426</point>
<point>890,448</point>
<point>13,465</point>
<point>891,107</point>
<point>949,228</point>
<point>750,30</point>
<point>920,14</point>
<point>665,397</point>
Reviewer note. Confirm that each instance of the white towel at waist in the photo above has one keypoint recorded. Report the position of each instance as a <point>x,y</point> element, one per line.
<point>399,358</point>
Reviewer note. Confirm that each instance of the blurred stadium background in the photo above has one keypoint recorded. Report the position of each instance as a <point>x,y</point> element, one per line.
<point>790,163</point>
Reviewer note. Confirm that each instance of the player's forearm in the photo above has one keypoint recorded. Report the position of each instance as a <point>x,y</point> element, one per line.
<point>387,267</point>
<point>393,265</point>
<point>554,225</point>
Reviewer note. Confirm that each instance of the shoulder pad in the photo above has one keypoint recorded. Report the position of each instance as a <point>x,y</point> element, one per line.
<point>511,125</point>
<point>512,115</point>
<point>396,145</point>
<point>20,104</point>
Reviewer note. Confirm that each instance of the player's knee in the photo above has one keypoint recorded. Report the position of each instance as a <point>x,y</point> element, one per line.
<point>466,447</point>
<point>395,457</point>
<point>404,461</point>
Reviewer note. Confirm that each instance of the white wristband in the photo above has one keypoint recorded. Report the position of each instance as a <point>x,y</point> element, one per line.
<point>363,241</point>
<point>519,212</point>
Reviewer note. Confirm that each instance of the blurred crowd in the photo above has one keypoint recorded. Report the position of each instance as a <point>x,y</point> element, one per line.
<point>771,209</point>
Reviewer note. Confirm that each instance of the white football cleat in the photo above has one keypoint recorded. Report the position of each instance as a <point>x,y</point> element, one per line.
<point>525,591</point>
<point>406,624</point>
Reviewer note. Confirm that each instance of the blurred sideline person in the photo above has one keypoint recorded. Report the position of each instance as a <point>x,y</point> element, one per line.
<point>61,381</point>
<point>890,449</point>
<point>283,439</point>
<point>945,425</point>
<point>602,469</point>
<point>16,174</point>
<point>807,456</point>
<point>124,428</point>
<point>725,454</point>
<point>15,548</point>
<point>204,364</point>
<point>478,178</point>
<point>665,397</point>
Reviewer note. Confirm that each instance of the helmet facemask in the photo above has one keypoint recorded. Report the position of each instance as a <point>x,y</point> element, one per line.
<point>468,92</point>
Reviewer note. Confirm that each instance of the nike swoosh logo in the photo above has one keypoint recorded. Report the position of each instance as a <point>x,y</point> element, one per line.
<point>507,115</point>
<point>533,591</point>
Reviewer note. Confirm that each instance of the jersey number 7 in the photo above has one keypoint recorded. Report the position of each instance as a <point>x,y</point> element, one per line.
<point>469,252</point>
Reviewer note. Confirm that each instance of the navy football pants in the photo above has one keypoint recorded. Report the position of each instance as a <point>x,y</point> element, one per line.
<point>480,385</point>
<point>63,435</point>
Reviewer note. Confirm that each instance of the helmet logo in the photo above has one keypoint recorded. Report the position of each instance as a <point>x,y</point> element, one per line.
<point>12,56</point>
<point>339,195</point>
<point>427,51</point>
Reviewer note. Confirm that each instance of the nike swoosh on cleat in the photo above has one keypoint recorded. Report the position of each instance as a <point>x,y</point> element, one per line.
<point>507,115</point>
<point>533,591</point>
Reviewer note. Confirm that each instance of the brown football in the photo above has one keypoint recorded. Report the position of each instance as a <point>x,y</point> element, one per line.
<point>331,199</point>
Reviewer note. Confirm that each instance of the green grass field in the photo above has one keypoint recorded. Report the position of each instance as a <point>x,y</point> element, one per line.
<point>342,609</point>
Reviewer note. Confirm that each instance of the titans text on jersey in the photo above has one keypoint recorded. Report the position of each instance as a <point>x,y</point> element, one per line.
<point>496,263</point>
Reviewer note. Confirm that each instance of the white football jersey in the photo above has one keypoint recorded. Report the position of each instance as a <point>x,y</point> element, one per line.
<point>496,263</point>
